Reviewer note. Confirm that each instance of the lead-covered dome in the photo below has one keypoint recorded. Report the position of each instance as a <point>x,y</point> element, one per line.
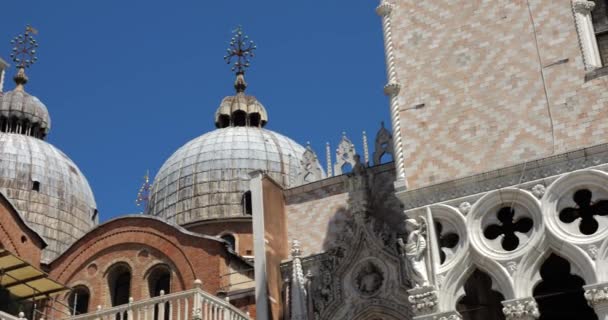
<point>23,113</point>
<point>48,189</point>
<point>208,178</point>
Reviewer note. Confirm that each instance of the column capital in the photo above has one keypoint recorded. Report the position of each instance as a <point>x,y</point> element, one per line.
<point>583,6</point>
<point>423,300</point>
<point>521,309</point>
<point>597,295</point>
<point>392,89</point>
<point>384,9</point>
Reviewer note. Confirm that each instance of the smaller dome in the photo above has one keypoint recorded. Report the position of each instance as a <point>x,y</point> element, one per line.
<point>240,111</point>
<point>23,113</point>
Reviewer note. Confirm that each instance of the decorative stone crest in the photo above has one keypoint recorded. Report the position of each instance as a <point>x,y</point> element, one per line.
<point>345,154</point>
<point>423,300</point>
<point>583,6</point>
<point>538,191</point>
<point>368,278</point>
<point>523,309</point>
<point>310,168</point>
<point>464,208</point>
<point>512,267</point>
<point>384,144</point>
<point>597,296</point>
<point>592,250</point>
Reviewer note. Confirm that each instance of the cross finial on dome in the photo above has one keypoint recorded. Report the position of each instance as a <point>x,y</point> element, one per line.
<point>24,54</point>
<point>242,50</point>
<point>143,195</point>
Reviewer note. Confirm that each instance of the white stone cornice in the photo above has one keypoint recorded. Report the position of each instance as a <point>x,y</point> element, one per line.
<point>392,89</point>
<point>583,6</point>
<point>384,9</point>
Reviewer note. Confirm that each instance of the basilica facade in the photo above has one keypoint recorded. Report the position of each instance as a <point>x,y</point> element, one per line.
<point>485,198</point>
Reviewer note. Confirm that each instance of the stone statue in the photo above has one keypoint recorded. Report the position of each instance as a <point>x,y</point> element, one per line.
<point>415,251</point>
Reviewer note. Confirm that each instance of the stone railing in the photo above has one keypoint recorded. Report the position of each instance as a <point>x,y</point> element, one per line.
<point>194,304</point>
<point>6,316</point>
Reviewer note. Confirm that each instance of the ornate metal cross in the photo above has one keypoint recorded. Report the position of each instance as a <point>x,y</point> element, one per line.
<point>241,49</point>
<point>449,240</point>
<point>586,211</point>
<point>143,195</point>
<point>508,227</point>
<point>24,48</point>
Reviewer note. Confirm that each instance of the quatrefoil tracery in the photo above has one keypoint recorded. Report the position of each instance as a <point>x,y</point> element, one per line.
<point>586,211</point>
<point>508,227</point>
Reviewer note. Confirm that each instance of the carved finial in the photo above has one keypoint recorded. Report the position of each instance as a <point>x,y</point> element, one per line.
<point>242,50</point>
<point>296,250</point>
<point>24,54</point>
<point>328,152</point>
<point>143,195</point>
<point>365,149</point>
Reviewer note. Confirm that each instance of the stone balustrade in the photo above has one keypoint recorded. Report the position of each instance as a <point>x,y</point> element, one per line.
<point>194,304</point>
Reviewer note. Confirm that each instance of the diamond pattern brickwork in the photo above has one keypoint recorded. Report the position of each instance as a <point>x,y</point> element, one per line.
<point>476,66</point>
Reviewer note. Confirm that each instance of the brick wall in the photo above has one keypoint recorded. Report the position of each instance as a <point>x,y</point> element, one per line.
<point>141,243</point>
<point>497,88</point>
<point>16,236</point>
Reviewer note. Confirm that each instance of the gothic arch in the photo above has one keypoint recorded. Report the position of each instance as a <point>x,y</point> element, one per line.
<point>453,289</point>
<point>446,214</point>
<point>528,274</point>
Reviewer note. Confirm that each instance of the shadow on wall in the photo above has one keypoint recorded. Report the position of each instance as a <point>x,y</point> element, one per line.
<point>383,205</point>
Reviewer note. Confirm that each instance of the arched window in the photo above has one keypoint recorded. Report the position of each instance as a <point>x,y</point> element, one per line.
<point>255,119</point>
<point>246,203</point>
<point>239,118</point>
<point>159,280</point>
<point>78,300</point>
<point>119,283</point>
<point>600,26</point>
<point>480,302</point>
<point>223,121</point>
<point>231,240</point>
<point>560,294</point>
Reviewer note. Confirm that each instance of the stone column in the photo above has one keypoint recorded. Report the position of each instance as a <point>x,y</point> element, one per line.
<point>597,298</point>
<point>521,309</point>
<point>586,34</point>
<point>392,89</point>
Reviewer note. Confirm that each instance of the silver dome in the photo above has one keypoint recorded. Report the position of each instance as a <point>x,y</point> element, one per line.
<point>48,190</point>
<point>208,177</point>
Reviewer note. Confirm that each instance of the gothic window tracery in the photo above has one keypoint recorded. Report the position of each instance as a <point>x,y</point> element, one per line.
<point>584,212</point>
<point>508,227</point>
<point>446,241</point>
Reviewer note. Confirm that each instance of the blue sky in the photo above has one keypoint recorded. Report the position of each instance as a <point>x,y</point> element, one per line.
<point>129,82</point>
